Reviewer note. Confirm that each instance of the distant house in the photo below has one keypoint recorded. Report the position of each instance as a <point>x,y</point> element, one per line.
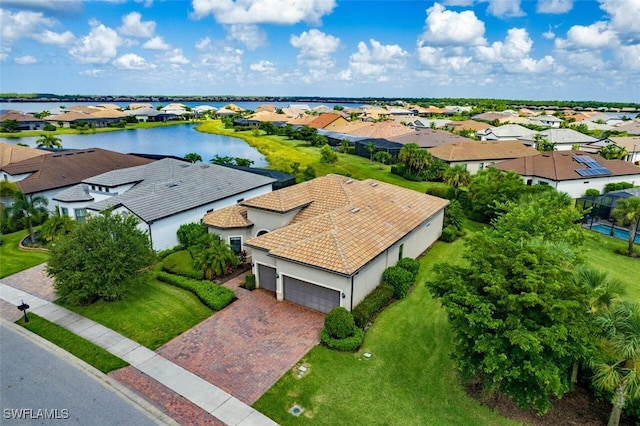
<point>473,125</point>
<point>328,121</point>
<point>25,120</point>
<point>505,132</point>
<point>164,194</point>
<point>572,171</point>
<point>563,139</point>
<point>630,127</point>
<point>325,243</point>
<point>546,120</point>
<point>10,153</point>
<point>475,156</point>
<point>428,138</point>
<point>631,144</point>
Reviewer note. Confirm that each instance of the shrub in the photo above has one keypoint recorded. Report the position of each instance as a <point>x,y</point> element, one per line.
<point>592,192</point>
<point>50,127</point>
<point>616,186</point>
<point>250,282</point>
<point>372,304</point>
<point>181,263</point>
<point>412,177</point>
<point>190,234</point>
<point>399,279</point>
<point>398,169</point>
<point>437,191</point>
<point>212,295</point>
<point>166,252</point>
<point>339,323</point>
<point>349,344</point>
<point>449,234</point>
<point>410,265</point>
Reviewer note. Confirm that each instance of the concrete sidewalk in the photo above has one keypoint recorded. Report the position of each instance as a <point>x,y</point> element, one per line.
<point>197,390</point>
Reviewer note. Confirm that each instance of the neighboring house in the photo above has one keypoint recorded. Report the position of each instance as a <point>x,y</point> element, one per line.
<point>428,138</point>
<point>25,120</point>
<point>328,121</point>
<point>326,242</point>
<point>492,116</point>
<point>573,171</point>
<point>425,123</point>
<point>476,126</point>
<point>163,195</point>
<point>564,139</point>
<point>48,174</point>
<point>546,120</point>
<point>10,153</point>
<point>150,114</point>
<point>475,156</point>
<point>506,132</point>
<point>630,143</point>
<point>630,127</point>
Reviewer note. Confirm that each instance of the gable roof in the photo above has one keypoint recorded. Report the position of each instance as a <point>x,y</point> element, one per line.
<point>563,136</point>
<point>18,116</point>
<point>467,124</point>
<point>561,165</point>
<point>10,153</point>
<point>428,138</point>
<point>366,218</point>
<point>482,150</point>
<point>69,167</point>
<point>324,120</point>
<point>513,131</point>
<point>170,186</point>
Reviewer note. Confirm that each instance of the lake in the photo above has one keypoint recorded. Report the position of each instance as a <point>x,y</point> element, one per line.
<point>177,140</point>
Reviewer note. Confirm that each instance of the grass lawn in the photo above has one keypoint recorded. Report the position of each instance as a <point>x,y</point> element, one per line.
<point>409,379</point>
<point>70,342</point>
<point>13,259</point>
<point>67,131</point>
<point>152,314</point>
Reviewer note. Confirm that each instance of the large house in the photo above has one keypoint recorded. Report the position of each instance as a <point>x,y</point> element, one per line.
<point>505,132</point>
<point>325,243</point>
<point>163,195</point>
<point>572,171</point>
<point>24,121</point>
<point>563,139</point>
<point>475,156</point>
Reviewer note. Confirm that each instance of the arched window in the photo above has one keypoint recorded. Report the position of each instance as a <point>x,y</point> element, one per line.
<point>262,232</point>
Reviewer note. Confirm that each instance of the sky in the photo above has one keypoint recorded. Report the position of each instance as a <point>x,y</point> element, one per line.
<point>507,49</point>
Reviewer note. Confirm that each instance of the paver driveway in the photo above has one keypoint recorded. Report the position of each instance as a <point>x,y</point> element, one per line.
<point>249,345</point>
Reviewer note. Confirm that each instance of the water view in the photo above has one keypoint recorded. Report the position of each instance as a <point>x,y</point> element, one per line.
<point>176,140</point>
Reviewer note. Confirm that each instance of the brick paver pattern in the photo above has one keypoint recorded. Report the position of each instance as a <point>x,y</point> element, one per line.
<point>245,348</point>
<point>33,281</point>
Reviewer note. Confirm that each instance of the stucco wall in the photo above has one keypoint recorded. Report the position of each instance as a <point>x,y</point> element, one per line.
<point>266,220</point>
<point>577,188</point>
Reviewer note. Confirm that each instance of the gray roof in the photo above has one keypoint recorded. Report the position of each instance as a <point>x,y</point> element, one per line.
<point>509,130</point>
<point>119,176</point>
<point>76,193</point>
<point>171,186</point>
<point>566,136</point>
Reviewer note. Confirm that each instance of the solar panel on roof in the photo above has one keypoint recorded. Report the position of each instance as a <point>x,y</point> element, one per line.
<point>598,171</point>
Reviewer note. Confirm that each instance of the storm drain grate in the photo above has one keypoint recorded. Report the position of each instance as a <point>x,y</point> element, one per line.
<point>296,410</point>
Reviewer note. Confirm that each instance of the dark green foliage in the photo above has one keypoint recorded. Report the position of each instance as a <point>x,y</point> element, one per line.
<point>309,173</point>
<point>181,263</point>
<point>328,155</point>
<point>399,278</point>
<point>490,187</point>
<point>410,265</point>
<point>10,126</point>
<point>454,216</point>
<point>100,258</point>
<point>191,234</point>
<point>372,304</point>
<point>592,192</point>
<point>616,186</point>
<point>339,324</point>
<point>449,234</point>
<point>349,344</point>
<point>412,177</point>
<point>164,253</point>
<point>211,294</point>
<point>250,282</point>
<point>50,127</point>
<point>398,169</point>
<point>438,191</point>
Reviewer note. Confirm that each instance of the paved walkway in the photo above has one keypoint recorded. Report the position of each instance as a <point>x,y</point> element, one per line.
<point>202,393</point>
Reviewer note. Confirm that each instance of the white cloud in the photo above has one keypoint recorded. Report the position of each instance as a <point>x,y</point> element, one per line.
<point>131,61</point>
<point>147,3</point>
<point>629,57</point>
<point>156,43</point>
<point>505,8</point>
<point>204,44</point>
<point>595,36</point>
<point>94,72</point>
<point>554,6</point>
<point>444,27</point>
<point>377,61</point>
<point>549,35</point>
<point>625,16</point>
<point>263,11</point>
<point>513,54</point>
<point>438,59</point>
<point>176,57</point>
<point>97,47</point>
<point>71,7</point>
<point>132,25</point>
<point>249,35</point>
<point>59,39</point>
<point>223,60</point>
<point>263,66</point>
<point>316,48</point>
<point>25,60</point>
<point>457,2</point>
<point>4,53</point>
<point>21,24</point>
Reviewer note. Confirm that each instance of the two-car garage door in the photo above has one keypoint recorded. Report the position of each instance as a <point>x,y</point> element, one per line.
<point>310,295</point>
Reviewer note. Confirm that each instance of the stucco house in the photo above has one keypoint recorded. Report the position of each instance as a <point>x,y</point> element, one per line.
<point>24,120</point>
<point>505,132</point>
<point>572,171</point>
<point>325,243</point>
<point>564,139</point>
<point>164,194</point>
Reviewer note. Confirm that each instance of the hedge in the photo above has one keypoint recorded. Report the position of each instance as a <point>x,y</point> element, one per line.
<point>400,279</point>
<point>449,234</point>
<point>349,344</point>
<point>250,282</point>
<point>410,265</point>
<point>338,323</point>
<point>211,294</point>
<point>181,263</point>
<point>372,304</point>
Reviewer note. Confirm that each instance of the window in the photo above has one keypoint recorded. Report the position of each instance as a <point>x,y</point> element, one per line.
<point>529,182</point>
<point>106,189</point>
<point>428,224</point>
<point>236,244</point>
<point>481,166</point>
<point>80,214</point>
<point>400,250</point>
<point>64,211</point>
<point>240,200</point>
<point>93,187</point>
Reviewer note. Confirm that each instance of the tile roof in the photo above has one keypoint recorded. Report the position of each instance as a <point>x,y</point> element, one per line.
<point>630,143</point>
<point>342,239</point>
<point>563,136</point>
<point>76,193</point>
<point>10,153</point>
<point>324,120</point>
<point>268,116</point>
<point>560,165</point>
<point>468,124</point>
<point>18,116</point>
<point>69,167</point>
<point>385,129</point>
<point>482,150</point>
<point>631,127</point>
<point>428,138</point>
<point>513,131</point>
<point>228,218</point>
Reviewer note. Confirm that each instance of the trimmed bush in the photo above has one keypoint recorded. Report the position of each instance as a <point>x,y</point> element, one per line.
<point>399,279</point>
<point>166,252</point>
<point>349,344</point>
<point>211,294</point>
<point>372,304</point>
<point>250,282</point>
<point>339,323</point>
<point>412,177</point>
<point>398,169</point>
<point>437,191</point>
<point>410,265</point>
<point>181,263</point>
<point>449,234</point>
<point>591,192</point>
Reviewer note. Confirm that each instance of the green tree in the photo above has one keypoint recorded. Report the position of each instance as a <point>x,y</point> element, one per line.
<point>490,187</point>
<point>295,168</point>
<point>268,127</point>
<point>26,209</point>
<point>414,158</point>
<point>42,114</point>
<point>371,147</point>
<point>344,146</point>
<point>617,369</point>
<point>543,144</point>
<point>243,162</point>
<point>214,257</point>
<point>222,161</point>
<point>328,155</point>
<point>382,157</point>
<point>192,234</point>
<point>57,226</point>
<point>309,173</point>
<point>48,141</point>
<point>10,126</point>
<point>7,188</point>
<point>193,157</point>
<point>338,107</point>
<point>100,259</point>
<point>628,211</point>
<point>456,177</point>
<point>613,152</point>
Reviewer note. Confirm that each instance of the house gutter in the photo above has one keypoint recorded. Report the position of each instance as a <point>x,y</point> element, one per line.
<point>352,277</point>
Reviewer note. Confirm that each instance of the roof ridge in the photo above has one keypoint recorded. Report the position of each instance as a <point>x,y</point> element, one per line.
<point>343,257</point>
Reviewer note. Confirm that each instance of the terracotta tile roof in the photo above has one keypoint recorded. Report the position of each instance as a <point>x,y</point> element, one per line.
<point>428,138</point>
<point>324,120</point>
<point>351,126</point>
<point>374,216</point>
<point>385,129</point>
<point>560,165</point>
<point>301,120</point>
<point>630,143</point>
<point>10,153</point>
<point>18,116</point>
<point>467,124</point>
<point>228,218</point>
<point>268,116</point>
<point>482,150</point>
<point>70,167</point>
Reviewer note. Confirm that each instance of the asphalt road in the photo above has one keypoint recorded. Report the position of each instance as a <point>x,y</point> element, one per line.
<point>39,387</point>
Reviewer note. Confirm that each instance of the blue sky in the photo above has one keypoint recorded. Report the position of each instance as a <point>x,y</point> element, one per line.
<point>516,49</point>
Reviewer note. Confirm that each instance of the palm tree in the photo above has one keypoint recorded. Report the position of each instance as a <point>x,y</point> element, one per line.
<point>214,257</point>
<point>56,226</point>
<point>456,177</point>
<point>49,141</point>
<point>628,211</point>
<point>193,157</point>
<point>371,147</point>
<point>27,208</point>
<point>618,369</point>
<point>613,152</point>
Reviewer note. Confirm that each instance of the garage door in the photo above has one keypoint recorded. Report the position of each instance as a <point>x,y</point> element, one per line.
<point>267,277</point>
<point>310,295</point>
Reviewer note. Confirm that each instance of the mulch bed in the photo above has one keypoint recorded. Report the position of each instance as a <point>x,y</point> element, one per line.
<point>238,271</point>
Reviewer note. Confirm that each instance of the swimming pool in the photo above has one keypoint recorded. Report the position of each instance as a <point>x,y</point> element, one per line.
<point>618,233</point>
